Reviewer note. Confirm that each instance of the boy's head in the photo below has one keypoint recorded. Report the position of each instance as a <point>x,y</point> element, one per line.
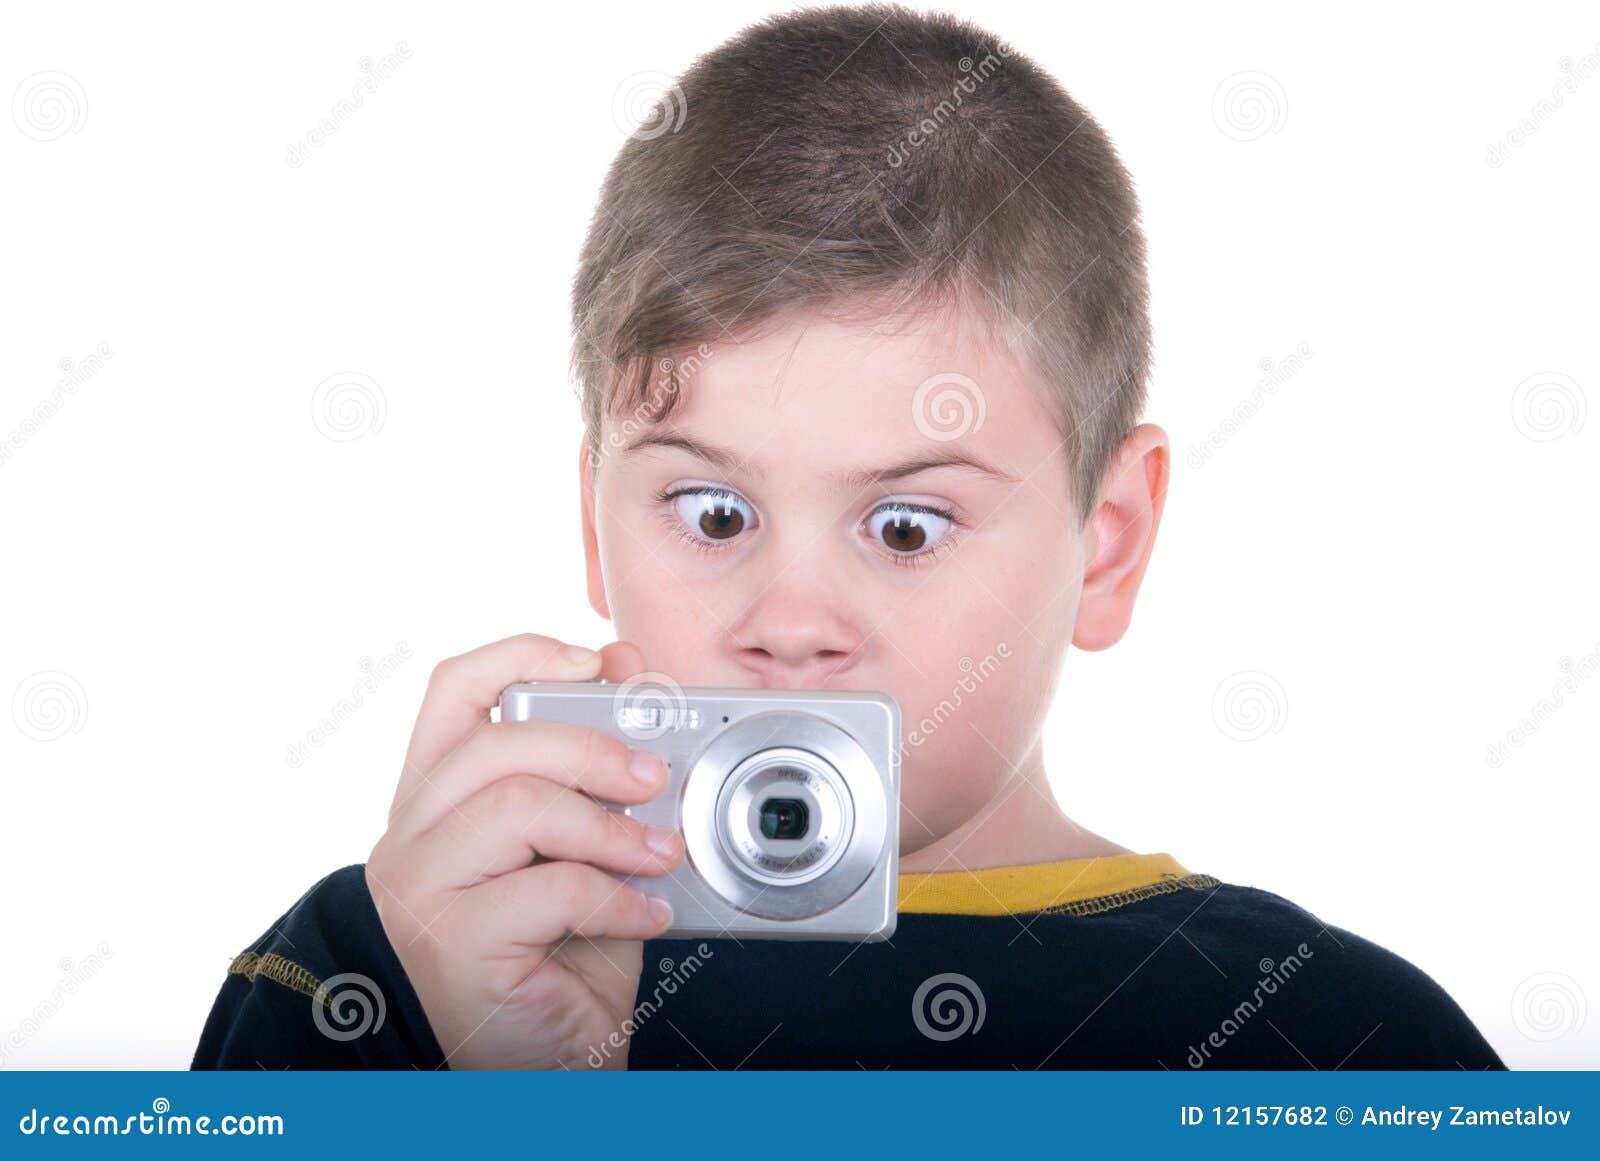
<point>862,337</point>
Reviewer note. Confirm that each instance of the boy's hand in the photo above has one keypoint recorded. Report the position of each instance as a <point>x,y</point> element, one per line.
<point>489,880</point>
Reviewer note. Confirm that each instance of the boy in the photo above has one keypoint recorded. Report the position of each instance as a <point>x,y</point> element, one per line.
<point>862,343</point>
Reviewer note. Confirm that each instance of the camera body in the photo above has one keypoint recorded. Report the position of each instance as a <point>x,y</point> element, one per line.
<point>788,800</point>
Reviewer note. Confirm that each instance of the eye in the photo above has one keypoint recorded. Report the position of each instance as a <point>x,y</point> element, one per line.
<point>710,514</point>
<point>910,530</point>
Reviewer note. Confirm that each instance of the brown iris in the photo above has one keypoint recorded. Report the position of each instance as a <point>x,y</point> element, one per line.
<point>723,524</point>
<point>904,536</point>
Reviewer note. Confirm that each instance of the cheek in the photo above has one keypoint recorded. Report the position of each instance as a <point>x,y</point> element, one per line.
<point>968,718</point>
<point>671,631</point>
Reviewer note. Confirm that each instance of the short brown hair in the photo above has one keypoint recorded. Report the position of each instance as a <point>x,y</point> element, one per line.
<point>883,157</point>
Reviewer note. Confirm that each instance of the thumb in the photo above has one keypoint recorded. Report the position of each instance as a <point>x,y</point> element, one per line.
<point>621,660</point>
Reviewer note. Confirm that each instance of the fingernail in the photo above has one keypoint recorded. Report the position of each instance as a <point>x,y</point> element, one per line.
<point>578,655</point>
<point>646,767</point>
<point>661,841</point>
<point>660,911</point>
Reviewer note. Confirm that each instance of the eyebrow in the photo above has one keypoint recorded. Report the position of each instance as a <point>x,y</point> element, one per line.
<point>855,479</point>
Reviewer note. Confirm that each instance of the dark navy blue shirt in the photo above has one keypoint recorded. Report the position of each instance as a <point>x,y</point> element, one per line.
<point>1185,972</point>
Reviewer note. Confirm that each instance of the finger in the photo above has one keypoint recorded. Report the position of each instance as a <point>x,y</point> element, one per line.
<point>570,755</point>
<point>461,691</point>
<point>620,660</point>
<point>543,904</point>
<point>509,823</point>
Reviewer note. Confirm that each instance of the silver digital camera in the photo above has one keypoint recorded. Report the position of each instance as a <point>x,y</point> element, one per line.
<point>788,801</point>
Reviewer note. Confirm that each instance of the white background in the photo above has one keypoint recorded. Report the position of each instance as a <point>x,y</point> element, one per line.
<point>1397,547</point>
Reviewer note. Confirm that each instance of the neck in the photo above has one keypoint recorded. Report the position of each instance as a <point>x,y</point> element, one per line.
<point>1020,823</point>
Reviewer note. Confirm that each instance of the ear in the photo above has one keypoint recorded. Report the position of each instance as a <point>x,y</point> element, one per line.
<point>591,543</point>
<point>1122,536</point>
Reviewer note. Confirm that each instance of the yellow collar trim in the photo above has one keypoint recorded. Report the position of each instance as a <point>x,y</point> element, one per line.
<point>1078,886</point>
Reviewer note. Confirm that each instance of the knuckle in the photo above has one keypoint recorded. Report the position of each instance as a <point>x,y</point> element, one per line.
<point>516,794</point>
<point>388,871</point>
<point>535,649</point>
<point>568,881</point>
<point>600,753</point>
<point>496,744</point>
<point>587,749</point>
<point>443,674</point>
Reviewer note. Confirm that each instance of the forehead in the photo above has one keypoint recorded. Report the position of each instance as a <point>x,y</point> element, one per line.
<point>822,395</point>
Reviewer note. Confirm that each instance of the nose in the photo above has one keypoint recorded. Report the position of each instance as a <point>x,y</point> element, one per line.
<point>795,636</point>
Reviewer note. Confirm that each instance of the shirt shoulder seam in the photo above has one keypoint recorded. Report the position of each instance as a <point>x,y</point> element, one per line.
<point>1099,904</point>
<point>254,965</point>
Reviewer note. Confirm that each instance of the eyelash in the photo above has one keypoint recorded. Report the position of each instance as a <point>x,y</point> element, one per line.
<point>666,496</point>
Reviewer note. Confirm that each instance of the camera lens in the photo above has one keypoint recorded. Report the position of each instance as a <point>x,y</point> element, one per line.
<point>784,818</point>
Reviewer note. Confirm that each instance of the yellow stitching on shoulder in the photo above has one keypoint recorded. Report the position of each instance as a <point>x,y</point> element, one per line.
<point>1102,903</point>
<point>253,966</point>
